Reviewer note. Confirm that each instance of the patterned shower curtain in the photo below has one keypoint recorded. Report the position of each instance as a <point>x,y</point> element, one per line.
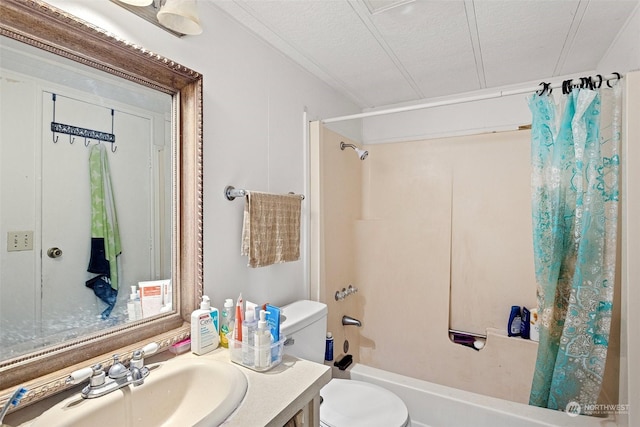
<point>575,213</point>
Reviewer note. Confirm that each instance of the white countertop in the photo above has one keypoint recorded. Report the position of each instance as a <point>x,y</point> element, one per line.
<point>273,397</point>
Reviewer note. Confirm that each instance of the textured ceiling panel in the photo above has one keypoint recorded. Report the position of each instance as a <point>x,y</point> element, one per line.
<point>432,41</point>
<point>382,52</point>
<point>598,29</point>
<point>331,33</point>
<point>522,41</point>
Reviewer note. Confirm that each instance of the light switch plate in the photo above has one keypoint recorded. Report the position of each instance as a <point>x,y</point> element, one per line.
<point>19,241</point>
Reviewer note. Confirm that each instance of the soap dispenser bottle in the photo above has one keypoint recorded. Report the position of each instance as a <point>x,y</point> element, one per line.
<point>204,332</point>
<point>262,343</point>
<point>134,308</point>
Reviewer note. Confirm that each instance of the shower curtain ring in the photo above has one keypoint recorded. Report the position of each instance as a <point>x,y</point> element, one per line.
<point>617,78</point>
<point>599,83</point>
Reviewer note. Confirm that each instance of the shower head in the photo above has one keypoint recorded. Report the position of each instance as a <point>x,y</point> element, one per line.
<point>361,153</point>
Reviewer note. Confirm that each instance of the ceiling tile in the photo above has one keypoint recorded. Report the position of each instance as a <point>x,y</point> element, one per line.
<point>598,28</point>
<point>432,40</point>
<point>522,41</point>
<point>330,34</point>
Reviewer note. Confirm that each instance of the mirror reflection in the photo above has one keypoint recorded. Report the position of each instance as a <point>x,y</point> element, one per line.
<point>85,205</point>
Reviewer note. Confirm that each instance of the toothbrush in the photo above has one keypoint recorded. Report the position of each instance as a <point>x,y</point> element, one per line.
<point>13,401</point>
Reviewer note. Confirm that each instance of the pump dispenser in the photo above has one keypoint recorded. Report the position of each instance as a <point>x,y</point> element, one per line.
<point>263,342</point>
<point>249,326</point>
<point>204,328</point>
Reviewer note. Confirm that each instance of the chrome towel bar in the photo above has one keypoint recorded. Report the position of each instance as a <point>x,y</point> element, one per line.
<point>230,192</point>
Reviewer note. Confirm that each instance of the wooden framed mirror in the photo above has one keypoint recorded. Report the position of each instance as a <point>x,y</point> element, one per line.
<point>38,25</point>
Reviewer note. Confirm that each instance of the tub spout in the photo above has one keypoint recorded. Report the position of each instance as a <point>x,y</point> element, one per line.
<point>350,321</point>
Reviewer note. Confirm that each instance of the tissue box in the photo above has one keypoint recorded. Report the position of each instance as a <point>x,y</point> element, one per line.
<point>245,355</point>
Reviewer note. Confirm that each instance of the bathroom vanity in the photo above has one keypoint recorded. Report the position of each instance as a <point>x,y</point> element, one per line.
<point>272,398</point>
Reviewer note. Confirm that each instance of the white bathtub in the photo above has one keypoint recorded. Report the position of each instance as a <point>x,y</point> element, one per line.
<point>434,405</point>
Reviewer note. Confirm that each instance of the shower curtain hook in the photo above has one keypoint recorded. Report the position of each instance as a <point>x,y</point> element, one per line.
<point>546,88</point>
<point>599,84</point>
<point>617,78</point>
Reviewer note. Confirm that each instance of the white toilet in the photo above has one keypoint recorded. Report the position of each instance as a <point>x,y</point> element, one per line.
<point>345,403</point>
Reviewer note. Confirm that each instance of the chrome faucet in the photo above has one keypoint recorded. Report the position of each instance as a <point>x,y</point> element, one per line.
<point>350,321</point>
<point>117,377</point>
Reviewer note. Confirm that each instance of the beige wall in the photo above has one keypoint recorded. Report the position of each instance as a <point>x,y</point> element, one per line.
<point>341,200</point>
<point>441,235</point>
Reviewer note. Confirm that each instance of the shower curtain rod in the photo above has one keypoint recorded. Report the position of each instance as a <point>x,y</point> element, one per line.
<point>463,100</point>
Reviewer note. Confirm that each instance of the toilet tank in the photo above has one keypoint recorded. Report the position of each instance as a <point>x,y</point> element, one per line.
<point>304,324</point>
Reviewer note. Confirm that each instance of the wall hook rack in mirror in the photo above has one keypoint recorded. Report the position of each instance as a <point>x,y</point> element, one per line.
<point>87,134</point>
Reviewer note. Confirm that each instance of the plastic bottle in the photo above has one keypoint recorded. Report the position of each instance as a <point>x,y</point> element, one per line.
<point>534,325</point>
<point>515,321</point>
<point>225,322</point>
<point>524,324</point>
<point>204,332</point>
<point>249,326</point>
<point>328,349</point>
<point>134,308</point>
<point>262,357</point>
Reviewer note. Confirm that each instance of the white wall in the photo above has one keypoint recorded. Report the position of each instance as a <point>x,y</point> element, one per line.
<point>254,99</point>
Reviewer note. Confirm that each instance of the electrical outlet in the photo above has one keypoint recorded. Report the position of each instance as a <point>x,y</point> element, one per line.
<point>19,241</point>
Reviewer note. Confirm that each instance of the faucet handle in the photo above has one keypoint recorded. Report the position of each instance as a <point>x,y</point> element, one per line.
<point>137,359</point>
<point>149,349</point>
<point>80,375</point>
<point>95,374</point>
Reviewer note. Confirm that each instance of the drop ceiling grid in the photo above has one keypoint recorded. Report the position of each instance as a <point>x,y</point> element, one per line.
<point>363,10</point>
<point>434,44</point>
<point>373,60</point>
<point>522,41</point>
<point>332,34</point>
<point>598,29</point>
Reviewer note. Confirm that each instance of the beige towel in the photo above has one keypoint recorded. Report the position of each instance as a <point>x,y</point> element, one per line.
<point>271,229</point>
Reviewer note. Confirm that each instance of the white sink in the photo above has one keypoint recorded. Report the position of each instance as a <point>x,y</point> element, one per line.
<point>176,393</point>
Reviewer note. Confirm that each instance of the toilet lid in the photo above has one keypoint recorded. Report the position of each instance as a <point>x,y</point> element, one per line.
<point>359,404</point>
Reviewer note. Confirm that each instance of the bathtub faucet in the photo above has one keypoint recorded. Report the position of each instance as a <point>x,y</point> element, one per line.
<point>350,321</point>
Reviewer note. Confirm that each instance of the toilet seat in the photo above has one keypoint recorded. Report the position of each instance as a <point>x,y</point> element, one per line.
<point>350,403</point>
